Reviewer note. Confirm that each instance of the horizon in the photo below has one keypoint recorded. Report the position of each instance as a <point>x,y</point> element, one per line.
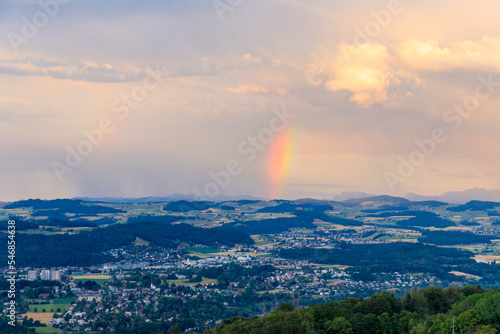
<point>379,97</point>
<point>460,197</point>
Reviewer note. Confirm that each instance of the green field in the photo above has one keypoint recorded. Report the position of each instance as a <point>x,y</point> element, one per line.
<point>47,330</point>
<point>63,300</point>
<point>186,281</point>
<point>203,250</point>
<point>97,280</point>
<point>49,308</point>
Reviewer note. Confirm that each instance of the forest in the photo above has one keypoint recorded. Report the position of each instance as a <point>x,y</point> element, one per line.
<point>396,257</point>
<point>431,310</point>
<point>453,238</point>
<point>87,247</point>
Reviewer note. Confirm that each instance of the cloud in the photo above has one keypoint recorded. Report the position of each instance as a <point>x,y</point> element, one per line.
<point>248,58</point>
<point>248,90</point>
<point>465,54</point>
<point>370,73</point>
<point>78,71</point>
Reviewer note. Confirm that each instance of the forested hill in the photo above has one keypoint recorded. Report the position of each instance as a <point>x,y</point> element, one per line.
<point>431,311</point>
<point>87,247</point>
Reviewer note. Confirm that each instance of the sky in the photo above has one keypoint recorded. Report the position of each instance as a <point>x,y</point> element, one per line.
<point>274,99</point>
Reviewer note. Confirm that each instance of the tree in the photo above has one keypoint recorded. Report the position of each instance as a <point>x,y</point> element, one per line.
<point>482,329</point>
<point>339,325</point>
<point>175,330</point>
<point>285,307</point>
<point>467,321</point>
<point>386,324</point>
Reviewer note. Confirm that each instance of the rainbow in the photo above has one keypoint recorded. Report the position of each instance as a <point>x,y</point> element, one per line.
<point>280,161</point>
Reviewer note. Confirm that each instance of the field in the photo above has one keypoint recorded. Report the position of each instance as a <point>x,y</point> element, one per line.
<point>275,291</point>
<point>47,330</point>
<point>44,318</point>
<point>488,258</point>
<point>49,308</point>
<point>95,278</point>
<point>186,282</point>
<point>63,300</point>
<point>140,242</point>
<point>459,273</point>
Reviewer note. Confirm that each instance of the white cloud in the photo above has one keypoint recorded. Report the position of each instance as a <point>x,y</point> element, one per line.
<point>464,55</point>
<point>370,73</point>
<point>248,89</point>
<point>81,71</point>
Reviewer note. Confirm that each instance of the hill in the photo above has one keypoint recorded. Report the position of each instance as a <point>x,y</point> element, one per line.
<point>475,206</point>
<point>453,238</point>
<point>383,199</point>
<point>89,247</point>
<point>431,310</point>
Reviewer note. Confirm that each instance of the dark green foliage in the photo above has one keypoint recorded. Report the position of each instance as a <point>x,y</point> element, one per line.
<point>232,272</point>
<point>431,221</point>
<point>86,248</point>
<point>419,219</point>
<point>429,310</point>
<point>19,328</point>
<point>280,208</point>
<point>269,226</point>
<point>61,206</point>
<point>227,207</point>
<point>21,225</point>
<point>470,223</point>
<point>400,257</point>
<point>69,223</point>
<point>185,206</point>
<point>453,238</point>
<point>475,206</point>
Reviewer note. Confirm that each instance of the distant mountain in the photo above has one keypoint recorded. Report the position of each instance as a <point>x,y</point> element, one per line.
<point>460,197</point>
<point>313,201</point>
<point>383,199</point>
<point>170,198</point>
<point>350,195</point>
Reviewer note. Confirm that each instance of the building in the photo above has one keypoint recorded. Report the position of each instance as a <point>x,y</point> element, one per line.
<point>33,275</point>
<point>55,275</point>
<point>45,275</point>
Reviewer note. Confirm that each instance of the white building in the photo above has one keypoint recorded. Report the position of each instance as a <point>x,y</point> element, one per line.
<point>55,275</point>
<point>33,275</point>
<point>45,275</point>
